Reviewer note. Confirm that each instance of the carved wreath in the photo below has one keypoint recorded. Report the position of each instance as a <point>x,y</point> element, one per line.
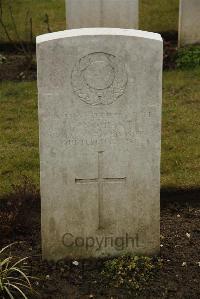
<point>99,78</point>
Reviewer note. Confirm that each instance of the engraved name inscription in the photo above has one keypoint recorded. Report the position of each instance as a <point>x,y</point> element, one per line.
<point>106,128</point>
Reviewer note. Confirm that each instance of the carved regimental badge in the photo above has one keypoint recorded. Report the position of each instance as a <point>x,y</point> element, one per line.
<point>99,78</point>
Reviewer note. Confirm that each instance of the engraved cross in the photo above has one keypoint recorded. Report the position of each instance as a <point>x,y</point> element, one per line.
<point>100,181</point>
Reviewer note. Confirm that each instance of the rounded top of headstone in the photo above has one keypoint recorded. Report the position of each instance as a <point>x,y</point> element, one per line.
<point>98,32</point>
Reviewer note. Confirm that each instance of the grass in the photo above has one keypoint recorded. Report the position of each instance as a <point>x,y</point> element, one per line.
<point>181,127</point>
<point>37,9</point>
<point>159,15</point>
<point>180,138</point>
<point>156,16</point>
<point>13,277</point>
<point>18,134</point>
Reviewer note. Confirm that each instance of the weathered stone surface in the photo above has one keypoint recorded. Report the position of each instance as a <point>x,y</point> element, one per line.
<point>100,132</point>
<point>189,22</point>
<point>102,13</point>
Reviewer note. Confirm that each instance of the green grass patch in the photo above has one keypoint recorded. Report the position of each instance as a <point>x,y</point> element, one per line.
<point>18,134</point>
<point>180,134</point>
<point>188,57</point>
<point>55,9</point>
<point>181,127</point>
<point>159,15</point>
<point>156,16</point>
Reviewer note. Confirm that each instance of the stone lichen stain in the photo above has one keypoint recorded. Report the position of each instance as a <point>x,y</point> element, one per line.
<point>52,226</point>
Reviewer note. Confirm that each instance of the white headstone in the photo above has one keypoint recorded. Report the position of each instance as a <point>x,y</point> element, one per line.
<point>102,13</point>
<point>189,22</point>
<point>100,94</point>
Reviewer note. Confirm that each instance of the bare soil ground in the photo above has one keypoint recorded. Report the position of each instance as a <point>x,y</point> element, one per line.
<point>178,278</point>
